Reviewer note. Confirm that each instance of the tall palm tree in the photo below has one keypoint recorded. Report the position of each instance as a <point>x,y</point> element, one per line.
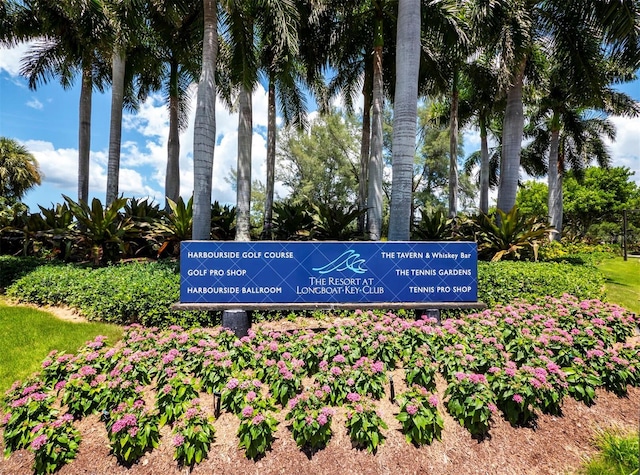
<point>569,136</point>
<point>19,170</point>
<point>515,29</point>
<point>404,119</point>
<point>177,28</point>
<point>280,60</point>
<point>446,46</point>
<point>239,33</point>
<point>204,129</point>
<point>69,35</point>
<point>126,20</point>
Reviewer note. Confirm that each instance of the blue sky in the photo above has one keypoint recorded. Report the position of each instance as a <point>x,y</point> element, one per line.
<point>46,122</point>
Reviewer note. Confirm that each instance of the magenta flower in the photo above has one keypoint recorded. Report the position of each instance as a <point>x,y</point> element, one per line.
<point>433,400</point>
<point>518,399</point>
<point>411,409</point>
<point>178,440</point>
<point>247,411</point>
<point>322,419</point>
<point>232,384</point>
<point>257,419</point>
<point>353,397</point>
<point>251,395</point>
<point>39,442</point>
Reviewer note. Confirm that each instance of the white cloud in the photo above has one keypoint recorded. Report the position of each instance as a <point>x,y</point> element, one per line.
<point>35,104</point>
<point>625,150</point>
<point>10,58</point>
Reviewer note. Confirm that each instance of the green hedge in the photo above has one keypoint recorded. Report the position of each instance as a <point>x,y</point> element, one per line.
<point>503,282</point>
<point>123,293</point>
<point>143,292</point>
<point>12,268</point>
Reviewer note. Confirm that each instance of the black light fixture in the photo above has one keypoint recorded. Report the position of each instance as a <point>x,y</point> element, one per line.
<point>392,391</point>
<point>216,403</point>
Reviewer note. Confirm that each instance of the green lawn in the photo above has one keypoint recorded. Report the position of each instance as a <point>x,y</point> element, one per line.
<point>28,335</point>
<point>623,282</point>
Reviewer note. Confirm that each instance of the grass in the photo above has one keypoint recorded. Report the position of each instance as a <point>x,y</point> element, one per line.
<point>618,455</point>
<point>622,282</point>
<point>28,335</point>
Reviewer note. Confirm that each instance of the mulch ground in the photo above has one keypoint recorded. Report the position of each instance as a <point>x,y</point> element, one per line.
<point>555,445</point>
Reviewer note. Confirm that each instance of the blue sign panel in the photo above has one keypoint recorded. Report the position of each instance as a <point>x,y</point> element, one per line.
<point>327,272</point>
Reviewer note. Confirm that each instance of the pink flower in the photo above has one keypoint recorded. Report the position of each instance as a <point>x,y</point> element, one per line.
<point>517,398</point>
<point>251,395</point>
<point>133,431</point>
<point>39,441</point>
<point>247,411</point>
<point>492,407</point>
<point>178,440</point>
<point>433,400</point>
<point>257,419</point>
<point>353,397</point>
<point>411,409</point>
<point>322,419</point>
<point>232,384</point>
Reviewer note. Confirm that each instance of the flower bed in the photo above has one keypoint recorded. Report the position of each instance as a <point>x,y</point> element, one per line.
<point>516,360</point>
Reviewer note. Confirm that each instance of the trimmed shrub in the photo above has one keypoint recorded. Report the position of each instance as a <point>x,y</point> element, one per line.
<point>503,282</point>
<point>12,268</point>
<point>122,294</point>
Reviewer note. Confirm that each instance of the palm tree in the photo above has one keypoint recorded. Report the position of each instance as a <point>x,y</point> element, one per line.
<point>126,21</point>
<point>204,129</point>
<point>177,28</point>
<point>19,170</point>
<point>445,50</point>
<point>570,136</point>
<point>404,119</point>
<point>515,29</point>
<point>69,36</point>
<point>239,34</point>
<point>280,59</point>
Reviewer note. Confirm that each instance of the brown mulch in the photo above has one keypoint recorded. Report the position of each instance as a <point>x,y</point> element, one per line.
<point>554,445</point>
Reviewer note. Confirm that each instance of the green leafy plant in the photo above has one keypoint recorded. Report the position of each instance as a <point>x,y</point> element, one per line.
<point>291,222</point>
<point>176,227</point>
<point>419,416</point>
<point>223,218</point>
<point>364,425</point>
<point>509,235</point>
<point>256,432</point>
<point>310,419</point>
<point>100,229</point>
<point>132,430</point>
<point>334,223</point>
<point>27,407</point>
<point>54,444</point>
<point>174,398</point>
<point>433,226</point>
<point>471,401</point>
<point>193,433</point>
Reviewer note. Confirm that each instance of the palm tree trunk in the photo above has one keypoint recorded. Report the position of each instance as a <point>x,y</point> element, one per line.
<point>404,118</point>
<point>271,159</point>
<point>484,168</point>
<point>374,202</point>
<point>204,129</point>
<point>243,186</point>
<point>511,144</point>
<point>365,148</point>
<point>118,63</point>
<point>172,177</point>
<point>84,132</point>
<point>453,149</point>
<point>555,187</point>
